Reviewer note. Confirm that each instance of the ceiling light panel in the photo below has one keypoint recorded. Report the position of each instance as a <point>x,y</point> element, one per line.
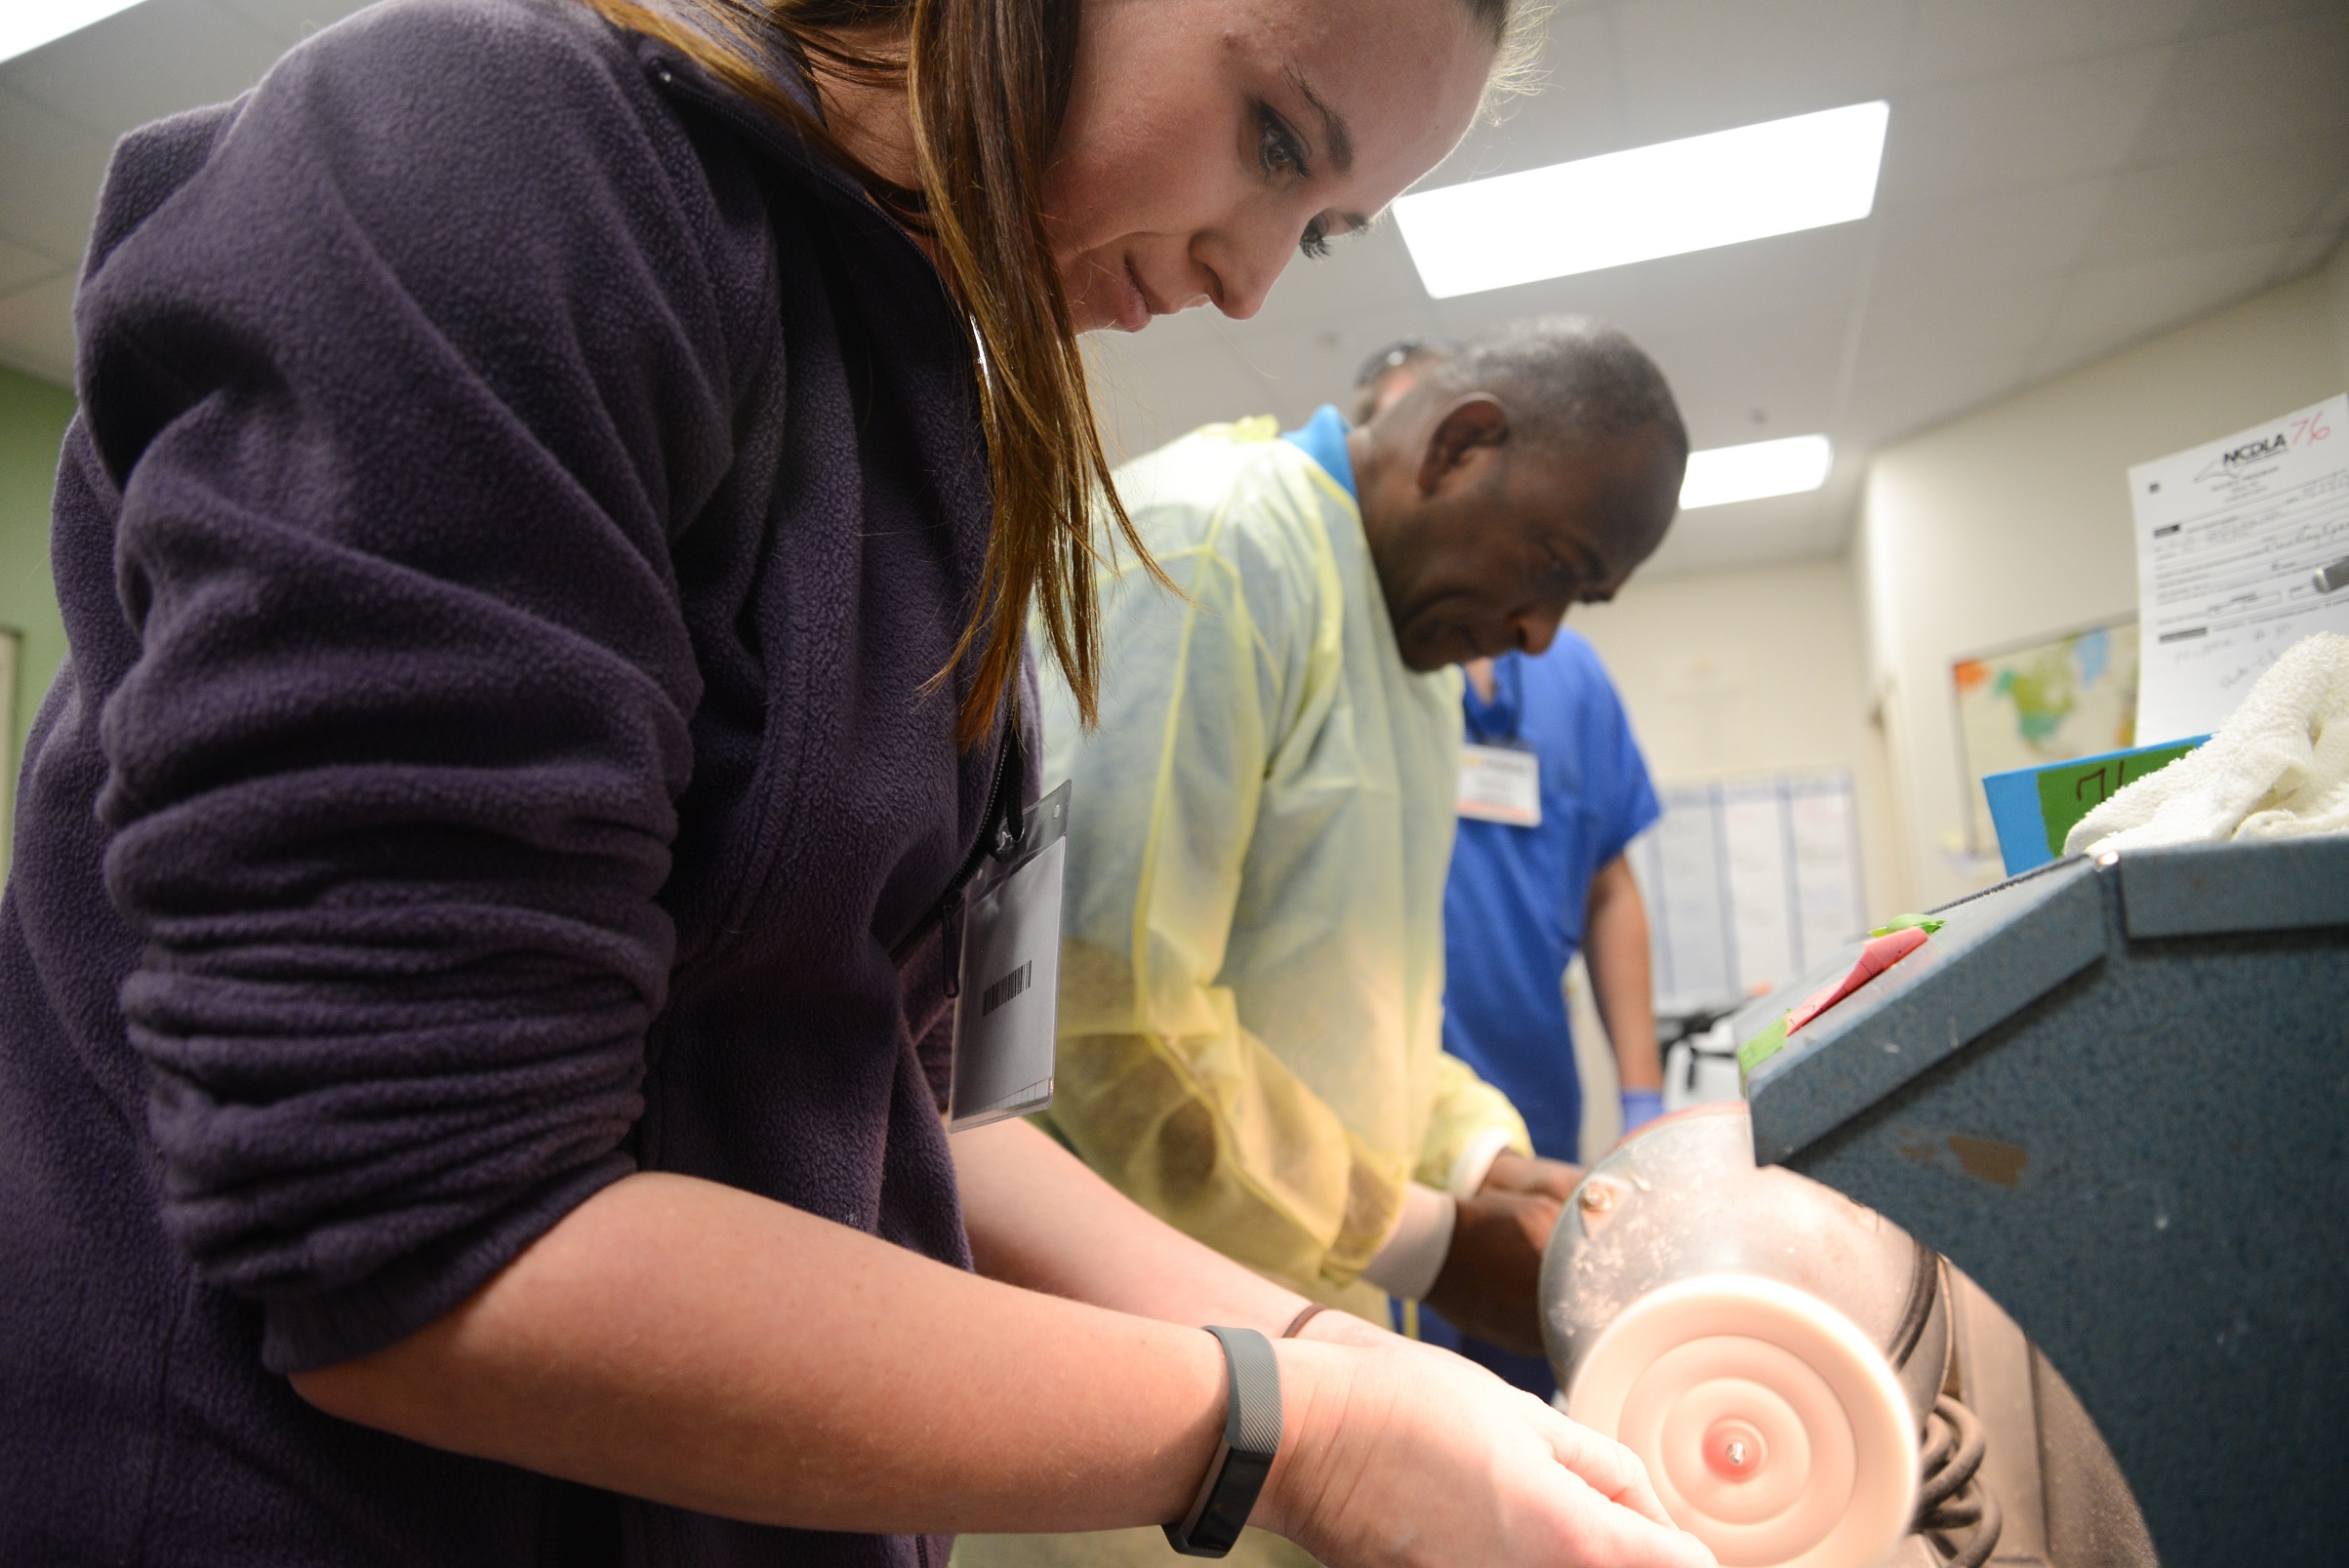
<point>28,24</point>
<point>1758,468</point>
<point>1776,177</point>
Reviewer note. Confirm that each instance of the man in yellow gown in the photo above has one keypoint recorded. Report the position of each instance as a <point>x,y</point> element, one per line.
<point>1253,958</point>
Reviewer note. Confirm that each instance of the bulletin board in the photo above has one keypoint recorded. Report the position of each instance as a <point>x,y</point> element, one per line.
<point>2073,695</point>
<point>1747,884</point>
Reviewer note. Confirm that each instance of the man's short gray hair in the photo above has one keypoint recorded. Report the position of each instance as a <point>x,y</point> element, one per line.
<point>1564,378</point>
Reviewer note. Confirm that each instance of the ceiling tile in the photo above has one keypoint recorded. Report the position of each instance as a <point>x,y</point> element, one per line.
<point>2225,15</point>
<point>49,180</point>
<point>1754,532</point>
<point>1143,407</point>
<point>36,329</point>
<point>1919,396</point>
<point>1816,274</point>
<point>1691,66</point>
<point>1371,273</point>
<point>1576,112</point>
<point>2034,128</point>
<point>1926,251</point>
<point>1173,335</point>
<point>2215,203</point>
<point>286,22</point>
<point>1287,373</point>
<point>2254,87</point>
<point>1787,370</point>
<point>1958,38</point>
<point>1146,400</point>
<point>1995,323</point>
<point>2107,308</point>
<point>143,63</point>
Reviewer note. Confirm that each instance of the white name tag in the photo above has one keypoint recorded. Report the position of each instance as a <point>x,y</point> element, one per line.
<point>1501,784</point>
<point>1007,1017</point>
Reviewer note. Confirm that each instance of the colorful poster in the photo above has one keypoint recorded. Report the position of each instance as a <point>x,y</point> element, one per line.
<point>2073,695</point>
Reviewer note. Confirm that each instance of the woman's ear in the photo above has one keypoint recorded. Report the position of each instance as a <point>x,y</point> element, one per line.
<point>1476,423</point>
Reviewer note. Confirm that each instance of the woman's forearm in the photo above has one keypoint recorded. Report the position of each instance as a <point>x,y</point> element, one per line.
<point>688,1342</point>
<point>1040,1217</point>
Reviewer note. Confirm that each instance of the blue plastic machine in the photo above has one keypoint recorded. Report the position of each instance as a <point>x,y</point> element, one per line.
<point>2116,1093</point>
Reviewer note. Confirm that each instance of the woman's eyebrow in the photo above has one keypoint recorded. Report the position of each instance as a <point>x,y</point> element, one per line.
<point>1334,131</point>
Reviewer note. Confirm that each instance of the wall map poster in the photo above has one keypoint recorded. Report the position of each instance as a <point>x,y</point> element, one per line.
<point>2072,696</point>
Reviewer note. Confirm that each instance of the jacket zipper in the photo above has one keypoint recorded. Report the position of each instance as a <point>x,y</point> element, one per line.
<point>768,138</point>
<point>774,141</point>
<point>947,913</point>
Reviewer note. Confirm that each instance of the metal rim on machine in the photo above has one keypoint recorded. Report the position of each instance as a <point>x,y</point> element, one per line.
<point>1772,1429</point>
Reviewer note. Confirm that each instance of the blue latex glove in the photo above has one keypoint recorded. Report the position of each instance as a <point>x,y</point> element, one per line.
<point>1642,1105</point>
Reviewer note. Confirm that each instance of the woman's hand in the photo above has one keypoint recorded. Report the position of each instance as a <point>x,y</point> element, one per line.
<point>1391,1459</point>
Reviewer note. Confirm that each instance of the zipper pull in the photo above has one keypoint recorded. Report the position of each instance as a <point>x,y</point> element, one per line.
<point>949,932</point>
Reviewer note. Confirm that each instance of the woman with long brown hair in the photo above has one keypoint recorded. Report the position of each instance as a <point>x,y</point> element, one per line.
<point>546,548</point>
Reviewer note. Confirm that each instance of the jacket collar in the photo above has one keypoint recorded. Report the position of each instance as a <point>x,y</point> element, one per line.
<point>685,80</point>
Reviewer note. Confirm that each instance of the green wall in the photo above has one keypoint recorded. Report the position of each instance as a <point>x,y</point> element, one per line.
<point>32,422</point>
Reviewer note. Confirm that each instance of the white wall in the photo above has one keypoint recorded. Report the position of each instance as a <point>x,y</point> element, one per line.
<point>2336,278</point>
<point>2014,523</point>
<point>1754,672</point>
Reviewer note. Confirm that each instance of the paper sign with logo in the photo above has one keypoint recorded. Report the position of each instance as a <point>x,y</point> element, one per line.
<point>2243,549</point>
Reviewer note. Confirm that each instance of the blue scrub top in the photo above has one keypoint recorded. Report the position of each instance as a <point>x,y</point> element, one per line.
<point>1512,912</point>
<point>1323,439</point>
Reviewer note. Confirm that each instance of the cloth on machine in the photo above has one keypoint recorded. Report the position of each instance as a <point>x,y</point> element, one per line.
<point>2277,767</point>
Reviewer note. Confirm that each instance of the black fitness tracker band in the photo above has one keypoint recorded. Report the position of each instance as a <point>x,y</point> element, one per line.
<point>1245,1457</point>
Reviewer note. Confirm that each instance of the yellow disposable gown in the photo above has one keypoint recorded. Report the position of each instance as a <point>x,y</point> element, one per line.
<point>1252,971</point>
<point>1253,958</point>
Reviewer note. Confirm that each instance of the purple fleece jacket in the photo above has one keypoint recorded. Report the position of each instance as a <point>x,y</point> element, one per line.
<point>518,501</point>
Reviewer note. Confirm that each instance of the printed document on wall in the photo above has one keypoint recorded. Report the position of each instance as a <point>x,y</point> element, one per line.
<point>2243,549</point>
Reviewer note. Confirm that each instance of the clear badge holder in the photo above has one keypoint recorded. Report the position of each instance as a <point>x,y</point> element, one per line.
<point>1007,1007</point>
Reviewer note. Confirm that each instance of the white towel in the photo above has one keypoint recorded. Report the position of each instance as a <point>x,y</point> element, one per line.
<point>2278,768</point>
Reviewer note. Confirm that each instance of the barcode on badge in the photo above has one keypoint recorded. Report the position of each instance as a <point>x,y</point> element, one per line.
<point>1004,989</point>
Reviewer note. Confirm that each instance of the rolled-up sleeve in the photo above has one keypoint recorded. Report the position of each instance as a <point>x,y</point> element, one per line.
<point>1471,1120</point>
<point>402,385</point>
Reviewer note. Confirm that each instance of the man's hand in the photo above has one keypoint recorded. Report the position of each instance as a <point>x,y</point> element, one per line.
<point>1490,1283</point>
<point>1513,1172</point>
<point>1489,1286</point>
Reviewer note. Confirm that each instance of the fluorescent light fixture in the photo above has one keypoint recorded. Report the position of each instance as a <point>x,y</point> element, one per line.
<point>1756,469</point>
<point>28,24</point>
<point>1744,184</point>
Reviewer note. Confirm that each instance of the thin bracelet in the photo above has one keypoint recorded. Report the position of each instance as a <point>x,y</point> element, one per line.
<point>1313,1310</point>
